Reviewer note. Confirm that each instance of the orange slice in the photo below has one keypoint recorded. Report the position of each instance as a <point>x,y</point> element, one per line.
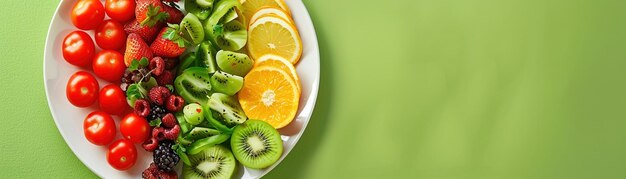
<point>280,63</point>
<point>273,35</point>
<point>249,7</point>
<point>271,95</point>
<point>270,10</point>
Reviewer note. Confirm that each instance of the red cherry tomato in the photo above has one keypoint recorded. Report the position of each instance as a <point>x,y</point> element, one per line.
<point>113,100</point>
<point>109,65</point>
<point>78,48</point>
<point>110,35</point>
<point>82,89</point>
<point>135,128</point>
<point>122,154</point>
<point>99,128</point>
<point>120,10</point>
<point>87,14</point>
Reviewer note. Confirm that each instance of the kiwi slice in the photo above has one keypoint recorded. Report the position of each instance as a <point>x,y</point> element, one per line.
<point>193,85</point>
<point>200,133</point>
<point>214,119</point>
<point>228,108</point>
<point>256,144</point>
<point>206,53</point>
<point>216,162</point>
<point>230,16</point>
<point>233,37</point>
<point>234,63</point>
<point>186,61</point>
<point>202,144</point>
<point>205,4</point>
<point>192,8</point>
<point>228,84</point>
<point>192,28</point>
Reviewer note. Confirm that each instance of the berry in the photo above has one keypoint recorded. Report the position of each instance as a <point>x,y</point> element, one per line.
<point>158,133</point>
<point>174,14</point>
<point>142,108</point>
<point>159,94</point>
<point>166,78</point>
<point>172,133</point>
<point>170,63</point>
<point>153,172</point>
<point>151,144</point>
<point>164,156</point>
<point>174,103</point>
<point>169,120</point>
<point>168,43</point>
<point>156,112</point>
<point>136,49</point>
<point>147,33</point>
<point>157,65</point>
<point>150,12</point>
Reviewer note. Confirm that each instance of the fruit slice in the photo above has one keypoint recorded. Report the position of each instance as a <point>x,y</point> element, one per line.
<point>186,61</point>
<point>228,108</point>
<point>206,54</point>
<point>270,11</point>
<point>193,113</point>
<point>225,33</point>
<point>193,8</point>
<point>193,85</point>
<point>280,63</point>
<point>192,28</point>
<point>234,63</point>
<point>228,84</point>
<point>204,3</point>
<point>212,119</point>
<point>273,35</point>
<point>201,133</point>
<point>249,7</point>
<point>214,162</point>
<point>256,144</point>
<point>271,95</point>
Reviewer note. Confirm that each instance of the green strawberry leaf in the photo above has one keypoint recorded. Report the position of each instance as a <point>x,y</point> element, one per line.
<point>143,62</point>
<point>170,34</point>
<point>155,123</point>
<point>154,15</point>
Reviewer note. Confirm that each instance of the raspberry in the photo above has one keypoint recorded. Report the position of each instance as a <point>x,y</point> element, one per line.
<point>157,65</point>
<point>159,94</point>
<point>169,120</point>
<point>170,63</point>
<point>158,133</point>
<point>150,144</point>
<point>174,103</point>
<point>153,172</point>
<point>142,108</point>
<point>172,133</point>
<point>166,78</point>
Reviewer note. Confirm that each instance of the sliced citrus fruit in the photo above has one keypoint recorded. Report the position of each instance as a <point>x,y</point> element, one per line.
<point>249,7</point>
<point>273,35</point>
<point>270,10</point>
<point>269,94</point>
<point>280,63</point>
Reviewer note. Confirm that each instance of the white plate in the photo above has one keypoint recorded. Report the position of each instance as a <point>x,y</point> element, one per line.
<point>69,119</point>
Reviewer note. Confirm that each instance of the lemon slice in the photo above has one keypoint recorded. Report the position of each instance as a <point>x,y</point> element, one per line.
<point>273,35</point>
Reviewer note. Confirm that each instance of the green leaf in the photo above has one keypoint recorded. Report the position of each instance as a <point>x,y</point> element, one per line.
<point>169,34</point>
<point>170,87</point>
<point>155,123</point>
<point>154,15</point>
<point>143,62</point>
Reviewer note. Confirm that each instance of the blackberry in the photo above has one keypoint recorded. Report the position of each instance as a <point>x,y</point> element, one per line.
<point>164,156</point>
<point>156,112</point>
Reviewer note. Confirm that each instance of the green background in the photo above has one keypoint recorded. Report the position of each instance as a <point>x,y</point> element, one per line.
<point>411,88</point>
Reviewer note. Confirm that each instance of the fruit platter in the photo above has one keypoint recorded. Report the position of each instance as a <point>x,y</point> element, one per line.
<point>181,88</point>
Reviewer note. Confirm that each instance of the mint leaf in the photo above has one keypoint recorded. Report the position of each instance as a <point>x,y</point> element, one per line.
<point>218,29</point>
<point>155,123</point>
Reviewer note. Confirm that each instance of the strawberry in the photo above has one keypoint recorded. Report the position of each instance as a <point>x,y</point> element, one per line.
<point>136,49</point>
<point>174,14</point>
<point>169,43</point>
<point>150,12</point>
<point>147,33</point>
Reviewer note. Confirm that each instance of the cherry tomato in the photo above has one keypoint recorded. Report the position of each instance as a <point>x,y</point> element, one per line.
<point>113,100</point>
<point>82,89</point>
<point>99,128</point>
<point>109,65</point>
<point>135,128</point>
<point>78,48</point>
<point>120,10</point>
<point>122,154</point>
<point>87,14</point>
<point>110,35</point>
